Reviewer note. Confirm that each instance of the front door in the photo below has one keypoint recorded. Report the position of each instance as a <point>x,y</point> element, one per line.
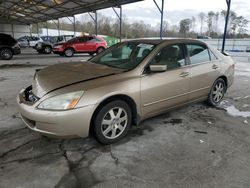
<point>163,90</point>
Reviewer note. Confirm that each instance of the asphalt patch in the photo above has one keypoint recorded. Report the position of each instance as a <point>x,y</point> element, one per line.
<point>173,121</point>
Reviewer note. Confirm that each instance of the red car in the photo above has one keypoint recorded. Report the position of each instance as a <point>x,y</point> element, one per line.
<point>86,44</point>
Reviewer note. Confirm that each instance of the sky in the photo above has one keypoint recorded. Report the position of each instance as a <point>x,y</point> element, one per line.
<point>175,10</point>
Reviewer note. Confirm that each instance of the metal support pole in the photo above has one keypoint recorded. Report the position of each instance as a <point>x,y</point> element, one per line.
<point>96,31</point>
<point>47,28</point>
<point>37,27</point>
<point>12,28</point>
<point>161,10</point>
<point>30,29</point>
<point>58,26</point>
<point>226,23</point>
<point>120,23</point>
<point>74,19</point>
<point>95,21</point>
<point>120,19</point>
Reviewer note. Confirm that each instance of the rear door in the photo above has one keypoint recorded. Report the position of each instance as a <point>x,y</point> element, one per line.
<point>204,69</point>
<point>163,90</point>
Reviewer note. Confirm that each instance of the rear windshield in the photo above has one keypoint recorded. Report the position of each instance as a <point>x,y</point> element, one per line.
<point>7,39</point>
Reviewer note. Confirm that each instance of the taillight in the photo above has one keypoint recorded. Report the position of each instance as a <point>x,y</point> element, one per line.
<point>16,45</point>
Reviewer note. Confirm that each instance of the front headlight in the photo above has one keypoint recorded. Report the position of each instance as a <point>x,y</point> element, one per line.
<point>61,102</point>
<point>58,46</point>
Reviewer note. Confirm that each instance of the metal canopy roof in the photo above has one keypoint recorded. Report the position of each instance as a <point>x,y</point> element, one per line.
<point>34,11</point>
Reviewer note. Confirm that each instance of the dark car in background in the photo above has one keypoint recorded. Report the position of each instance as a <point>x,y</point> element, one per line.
<point>8,47</point>
<point>84,44</point>
<point>46,46</point>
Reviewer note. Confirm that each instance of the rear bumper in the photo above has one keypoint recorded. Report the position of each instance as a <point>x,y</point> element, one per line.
<point>64,124</point>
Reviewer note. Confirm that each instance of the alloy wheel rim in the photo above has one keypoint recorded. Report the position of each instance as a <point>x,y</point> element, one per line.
<point>6,54</point>
<point>114,123</point>
<point>218,92</point>
<point>100,50</point>
<point>47,49</point>
<point>69,52</point>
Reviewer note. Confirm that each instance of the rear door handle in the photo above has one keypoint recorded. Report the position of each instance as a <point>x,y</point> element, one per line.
<point>215,66</point>
<point>184,74</point>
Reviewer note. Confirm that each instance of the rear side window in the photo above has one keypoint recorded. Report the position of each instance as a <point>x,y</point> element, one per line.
<point>198,53</point>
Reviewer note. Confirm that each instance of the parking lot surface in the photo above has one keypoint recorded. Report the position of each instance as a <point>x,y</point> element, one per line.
<point>193,146</point>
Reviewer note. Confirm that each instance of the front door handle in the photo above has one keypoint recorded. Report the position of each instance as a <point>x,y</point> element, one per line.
<point>184,74</point>
<point>215,66</point>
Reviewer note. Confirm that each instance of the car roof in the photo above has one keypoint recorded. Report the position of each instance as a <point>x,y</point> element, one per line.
<point>158,41</point>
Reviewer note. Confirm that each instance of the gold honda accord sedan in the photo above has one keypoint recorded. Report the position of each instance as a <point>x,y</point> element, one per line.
<point>123,85</point>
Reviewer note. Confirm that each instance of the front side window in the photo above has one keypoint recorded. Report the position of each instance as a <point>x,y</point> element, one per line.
<point>198,53</point>
<point>172,56</point>
<point>124,55</point>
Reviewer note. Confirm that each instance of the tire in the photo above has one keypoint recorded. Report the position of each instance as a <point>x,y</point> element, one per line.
<point>99,50</point>
<point>110,129</point>
<point>6,54</point>
<point>217,92</point>
<point>47,50</point>
<point>69,52</point>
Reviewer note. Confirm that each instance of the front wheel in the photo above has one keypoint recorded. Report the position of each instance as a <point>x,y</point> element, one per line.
<point>217,92</point>
<point>47,49</point>
<point>69,52</point>
<point>112,122</point>
<point>6,54</point>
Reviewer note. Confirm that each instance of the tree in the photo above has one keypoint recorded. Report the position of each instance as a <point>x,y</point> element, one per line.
<point>201,17</point>
<point>210,17</point>
<point>216,20</point>
<point>231,21</point>
<point>242,25</point>
<point>185,26</point>
<point>193,23</point>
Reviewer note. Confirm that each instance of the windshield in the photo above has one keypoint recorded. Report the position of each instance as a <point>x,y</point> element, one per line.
<point>125,55</point>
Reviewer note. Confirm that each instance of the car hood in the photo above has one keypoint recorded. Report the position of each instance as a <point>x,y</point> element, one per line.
<point>65,74</point>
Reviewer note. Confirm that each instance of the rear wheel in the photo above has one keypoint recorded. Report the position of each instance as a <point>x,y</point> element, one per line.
<point>69,52</point>
<point>47,49</point>
<point>6,54</point>
<point>217,92</point>
<point>112,122</point>
<point>99,50</point>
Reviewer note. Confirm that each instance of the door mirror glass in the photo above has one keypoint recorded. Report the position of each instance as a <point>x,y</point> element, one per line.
<point>157,68</point>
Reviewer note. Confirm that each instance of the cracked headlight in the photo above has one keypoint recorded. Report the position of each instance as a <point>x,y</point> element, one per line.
<point>61,102</point>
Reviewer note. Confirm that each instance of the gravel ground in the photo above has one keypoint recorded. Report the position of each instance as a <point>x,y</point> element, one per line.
<point>193,146</point>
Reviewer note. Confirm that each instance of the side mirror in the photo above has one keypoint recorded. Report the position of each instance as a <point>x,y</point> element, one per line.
<point>157,68</point>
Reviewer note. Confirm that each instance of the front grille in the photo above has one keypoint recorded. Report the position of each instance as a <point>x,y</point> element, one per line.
<point>29,96</point>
